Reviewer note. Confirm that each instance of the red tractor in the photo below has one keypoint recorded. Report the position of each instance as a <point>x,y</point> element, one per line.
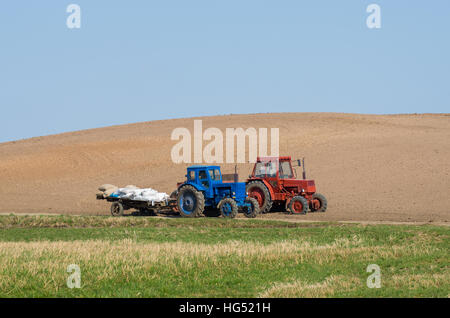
<point>273,181</point>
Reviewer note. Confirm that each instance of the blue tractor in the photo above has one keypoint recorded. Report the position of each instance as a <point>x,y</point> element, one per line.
<point>204,190</point>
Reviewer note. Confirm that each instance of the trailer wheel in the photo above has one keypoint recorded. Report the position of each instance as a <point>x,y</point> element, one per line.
<point>323,203</point>
<point>117,209</point>
<point>298,205</point>
<point>190,202</point>
<point>253,211</point>
<point>259,191</point>
<point>228,208</point>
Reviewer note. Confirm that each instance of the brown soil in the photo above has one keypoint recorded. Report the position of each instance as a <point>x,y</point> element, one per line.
<point>370,167</point>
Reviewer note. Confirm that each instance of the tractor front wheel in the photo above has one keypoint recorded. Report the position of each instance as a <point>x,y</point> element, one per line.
<point>298,205</point>
<point>258,190</point>
<point>228,208</point>
<point>190,202</point>
<point>318,203</point>
<point>253,210</point>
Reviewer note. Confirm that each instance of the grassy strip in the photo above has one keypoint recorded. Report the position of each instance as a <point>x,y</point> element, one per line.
<point>216,258</point>
<point>69,221</point>
<point>186,232</point>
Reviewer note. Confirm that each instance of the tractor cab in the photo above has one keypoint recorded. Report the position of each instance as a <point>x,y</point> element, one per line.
<point>204,188</point>
<point>204,176</point>
<point>279,173</point>
<point>271,167</point>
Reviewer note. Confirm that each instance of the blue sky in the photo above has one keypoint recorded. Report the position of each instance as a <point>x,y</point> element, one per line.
<point>137,61</point>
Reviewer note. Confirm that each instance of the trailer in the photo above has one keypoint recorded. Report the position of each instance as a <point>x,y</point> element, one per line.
<point>119,205</point>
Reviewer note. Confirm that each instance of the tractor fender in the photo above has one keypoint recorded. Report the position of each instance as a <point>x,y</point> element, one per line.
<point>196,186</point>
<point>269,187</point>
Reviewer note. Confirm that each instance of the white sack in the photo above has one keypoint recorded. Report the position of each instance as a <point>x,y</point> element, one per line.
<point>147,194</point>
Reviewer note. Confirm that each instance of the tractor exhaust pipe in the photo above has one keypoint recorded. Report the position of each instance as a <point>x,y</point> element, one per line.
<point>303,165</point>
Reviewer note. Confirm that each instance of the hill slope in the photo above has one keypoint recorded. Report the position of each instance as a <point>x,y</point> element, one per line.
<point>371,167</point>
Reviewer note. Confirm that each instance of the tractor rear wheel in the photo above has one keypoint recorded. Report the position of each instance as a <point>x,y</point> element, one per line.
<point>298,205</point>
<point>259,191</point>
<point>116,209</point>
<point>228,208</point>
<point>253,211</point>
<point>323,203</point>
<point>190,202</point>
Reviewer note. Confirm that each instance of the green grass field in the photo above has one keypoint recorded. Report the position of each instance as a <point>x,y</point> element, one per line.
<point>215,257</point>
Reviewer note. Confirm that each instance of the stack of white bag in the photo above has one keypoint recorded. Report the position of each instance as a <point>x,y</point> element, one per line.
<point>137,194</point>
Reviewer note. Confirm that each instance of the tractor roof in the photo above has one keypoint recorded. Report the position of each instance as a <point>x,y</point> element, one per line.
<point>203,167</point>
<point>258,159</point>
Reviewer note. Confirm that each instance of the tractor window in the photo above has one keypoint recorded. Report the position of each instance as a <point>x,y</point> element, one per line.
<point>285,170</point>
<point>271,169</point>
<point>263,169</point>
<point>217,174</point>
<point>202,175</point>
<point>192,175</point>
<point>260,170</point>
<point>214,174</point>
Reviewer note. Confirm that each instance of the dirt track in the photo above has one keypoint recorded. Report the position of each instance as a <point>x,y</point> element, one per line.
<point>371,167</point>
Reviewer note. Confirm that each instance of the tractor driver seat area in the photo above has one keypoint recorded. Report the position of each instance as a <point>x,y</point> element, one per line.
<point>264,169</point>
<point>285,171</point>
<point>203,178</point>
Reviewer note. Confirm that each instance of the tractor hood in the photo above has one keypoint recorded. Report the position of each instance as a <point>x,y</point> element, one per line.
<point>307,186</point>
